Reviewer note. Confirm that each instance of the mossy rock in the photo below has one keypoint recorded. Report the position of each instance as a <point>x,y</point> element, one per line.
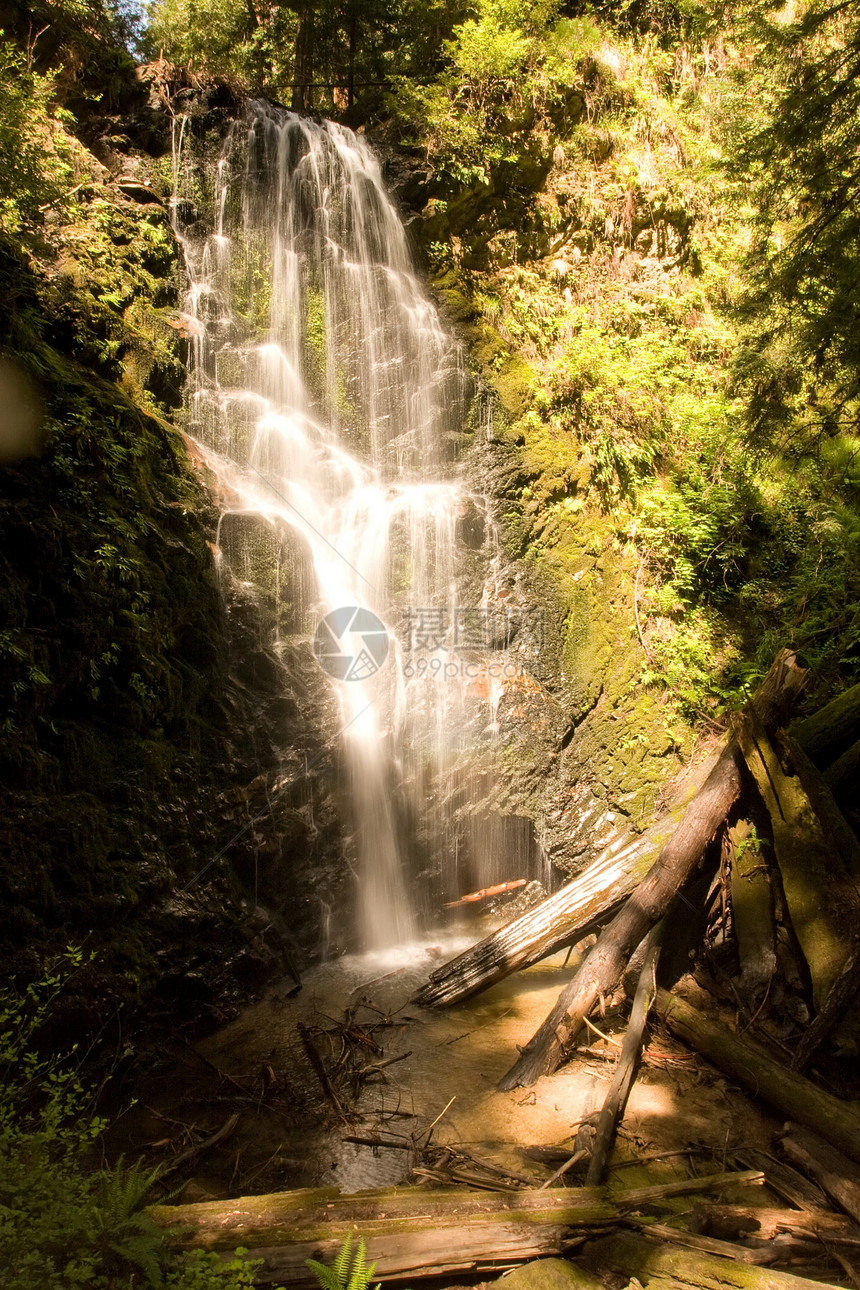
<point>513,382</point>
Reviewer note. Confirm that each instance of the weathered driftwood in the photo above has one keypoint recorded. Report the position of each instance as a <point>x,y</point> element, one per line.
<point>660,1266</point>
<point>829,1167</point>
<point>625,1071</point>
<point>783,1180</point>
<point>830,731</point>
<point>603,967</point>
<point>410,1232</point>
<point>755,1070</point>
<point>741,1222</point>
<point>561,919</point>
<point>822,901</point>
<point>752,912</point>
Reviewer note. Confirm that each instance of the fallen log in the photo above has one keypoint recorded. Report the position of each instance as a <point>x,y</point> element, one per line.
<point>739,1222</point>
<point>625,1072</point>
<point>840,996</point>
<point>822,901</point>
<point>827,1166</point>
<point>410,1232</point>
<point>604,965</point>
<point>783,1179</point>
<point>657,1266</point>
<point>749,1065</point>
<point>562,919</point>
<point>836,828</point>
<point>843,774</point>
<point>484,894</point>
<point>709,1244</point>
<point>602,969</point>
<point>830,731</point>
<point>638,1197</point>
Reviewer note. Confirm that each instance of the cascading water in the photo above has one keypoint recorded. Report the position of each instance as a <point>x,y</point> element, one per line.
<point>326,393</point>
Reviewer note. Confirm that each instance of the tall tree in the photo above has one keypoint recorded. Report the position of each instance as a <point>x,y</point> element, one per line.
<point>800,366</point>
<point>303,67</point>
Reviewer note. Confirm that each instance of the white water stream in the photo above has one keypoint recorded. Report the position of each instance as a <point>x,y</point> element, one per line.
<point>326,393</point>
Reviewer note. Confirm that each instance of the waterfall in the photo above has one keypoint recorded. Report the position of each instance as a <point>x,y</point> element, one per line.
<point>326,393</point>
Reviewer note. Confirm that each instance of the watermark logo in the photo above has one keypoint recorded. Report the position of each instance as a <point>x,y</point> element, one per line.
<point>351,643</point>
<point>457,628</point>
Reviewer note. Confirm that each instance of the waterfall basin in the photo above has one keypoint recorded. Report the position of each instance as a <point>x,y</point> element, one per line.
<point>291,1134</point>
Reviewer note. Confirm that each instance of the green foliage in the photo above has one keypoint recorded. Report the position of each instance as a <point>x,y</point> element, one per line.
<point>629,406</point>
<point>799,368</point>
<point>348,1272</point>
<point>508,69</point>
<point>64,1223</point>
<point>36,163</point>
<point>356,48</point>
<point>204,1270</point>
<point>222,38</point>
<point>752,842</point>
<point>61,1226</point>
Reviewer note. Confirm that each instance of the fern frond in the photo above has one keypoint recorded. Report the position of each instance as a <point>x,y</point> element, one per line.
<point>346,1273</point>
<point>326,1276</point>
<point>342,1262</point>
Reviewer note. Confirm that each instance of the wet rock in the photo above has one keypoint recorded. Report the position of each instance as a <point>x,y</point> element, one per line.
<point>551,1274</point>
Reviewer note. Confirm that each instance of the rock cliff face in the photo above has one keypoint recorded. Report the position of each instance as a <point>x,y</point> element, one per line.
<point>155,803</point>
<point>586,744</point>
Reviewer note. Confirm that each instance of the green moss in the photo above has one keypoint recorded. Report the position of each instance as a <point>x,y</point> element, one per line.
<point>513,382</point>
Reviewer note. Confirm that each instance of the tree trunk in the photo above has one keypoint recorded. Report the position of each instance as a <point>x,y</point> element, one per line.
<point>563,918</point>
<point>755,1070</point>
<point>656,1266</point>
<point>603,967</point>
<point>831,731</point>
<point>752,913</point>
<point>625,1072</point>
<point>353,44</point>
<point>822,901</point>
<point>303,67</point>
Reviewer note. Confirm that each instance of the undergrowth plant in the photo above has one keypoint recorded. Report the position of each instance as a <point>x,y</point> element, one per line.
<point>64,1223</point>
<point>348,1272</point>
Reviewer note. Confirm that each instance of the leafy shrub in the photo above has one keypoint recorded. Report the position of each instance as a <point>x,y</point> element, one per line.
<point>35,155</point>
<point>64,1225</point>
